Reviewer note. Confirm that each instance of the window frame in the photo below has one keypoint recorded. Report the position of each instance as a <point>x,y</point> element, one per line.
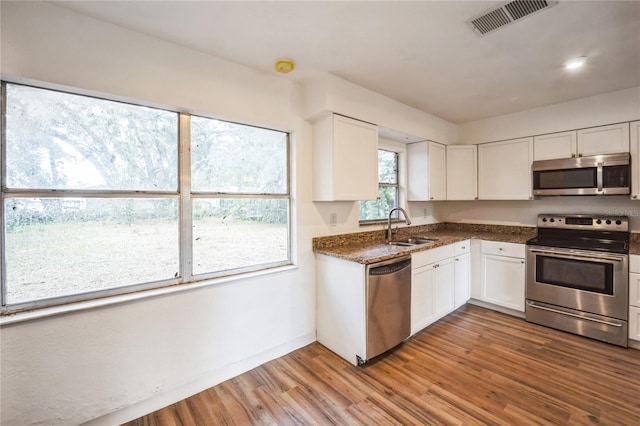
<point>182,193</point>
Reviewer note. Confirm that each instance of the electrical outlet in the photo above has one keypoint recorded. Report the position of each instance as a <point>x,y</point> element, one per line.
<point>426,212</point>
<point>333,219</point>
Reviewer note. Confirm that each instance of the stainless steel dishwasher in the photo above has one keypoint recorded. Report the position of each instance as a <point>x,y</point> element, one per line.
<point>388,296</point>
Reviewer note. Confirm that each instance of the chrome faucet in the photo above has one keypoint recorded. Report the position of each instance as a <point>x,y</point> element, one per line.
<point>390,232</point>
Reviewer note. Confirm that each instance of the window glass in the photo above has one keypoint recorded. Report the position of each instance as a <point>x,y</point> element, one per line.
<point>387,189</point>
<point>59,247</point>
<point>62,141</point>
<point>232,233</point>
<point>234,158</point>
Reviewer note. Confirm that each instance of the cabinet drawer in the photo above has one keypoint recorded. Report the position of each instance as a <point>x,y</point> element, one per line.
<point>426,257</point>
<point>634,290</point>
<point>503,249</point>
<point>461,247</point>
<point>634,263</point>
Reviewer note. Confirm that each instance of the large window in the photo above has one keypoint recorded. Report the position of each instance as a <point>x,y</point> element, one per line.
<point>388,189</point>
<point>96,199</point>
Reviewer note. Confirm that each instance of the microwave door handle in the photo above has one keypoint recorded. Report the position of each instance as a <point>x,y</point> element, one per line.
<point>600,258</point>
<point>599,177</point>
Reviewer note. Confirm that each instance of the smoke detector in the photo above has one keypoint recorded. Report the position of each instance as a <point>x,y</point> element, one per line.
<point>506,13</point>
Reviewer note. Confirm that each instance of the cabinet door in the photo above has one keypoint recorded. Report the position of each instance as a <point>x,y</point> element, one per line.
<point>634,289</point>
<point>422,313</point>
<point>437,171</point>
<point>634,323</point>
<point>504,170</point>
<point>503,281</point>
<point>555,145</point>
<point>461,280</point>
<point>603,140</point>
<point>355,159</point>
<point>443,292</point>
<point>427,171</point>
<point>345,159</point>
<point>462,172</point>
<point>635,159</point>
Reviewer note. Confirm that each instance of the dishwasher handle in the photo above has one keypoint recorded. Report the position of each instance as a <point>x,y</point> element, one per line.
<point>390,268</point>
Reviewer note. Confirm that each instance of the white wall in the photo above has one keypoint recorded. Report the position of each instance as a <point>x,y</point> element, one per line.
<point>614,107</point>
<point>330,93</point>
<point>525,213</point>
<point>76,367</point>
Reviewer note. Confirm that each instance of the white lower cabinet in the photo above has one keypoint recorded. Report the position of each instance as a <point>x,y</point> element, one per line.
<point>461,273</point>
<point>634,323</point>
<point>634,297</point>
<point>462,280</point>
<point>432,286</point>
<point>503,274</point>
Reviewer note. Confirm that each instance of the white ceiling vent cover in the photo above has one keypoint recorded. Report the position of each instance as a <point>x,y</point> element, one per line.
<point>507,13</point>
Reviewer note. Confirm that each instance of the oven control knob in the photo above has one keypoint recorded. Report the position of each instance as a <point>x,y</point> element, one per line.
<point>598,221</point>
<point>552,220</point>
<point>544,219</point>
<point>618,222</point>
<point>608,222</point>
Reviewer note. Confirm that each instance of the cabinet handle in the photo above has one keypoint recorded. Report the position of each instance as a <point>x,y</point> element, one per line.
<point>580,155</point>
<point>573,155</point>
<point>457,260</point>
<point>463,247</point>
<point>475,198</point>
<point>522,261</point>
<point>431,198</point>
<point>634,197</point>
<point>499,248</point>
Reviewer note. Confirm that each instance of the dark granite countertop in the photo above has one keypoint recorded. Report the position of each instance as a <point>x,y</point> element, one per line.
<point>371,247</point>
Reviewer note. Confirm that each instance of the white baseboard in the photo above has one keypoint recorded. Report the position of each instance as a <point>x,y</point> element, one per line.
<point>207,380</point>
<point>493,307</point>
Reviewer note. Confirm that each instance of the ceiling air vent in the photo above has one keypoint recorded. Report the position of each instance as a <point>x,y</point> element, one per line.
<point>506,13</point>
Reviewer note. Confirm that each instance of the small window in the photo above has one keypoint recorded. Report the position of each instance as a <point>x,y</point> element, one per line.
<point>388,189</point>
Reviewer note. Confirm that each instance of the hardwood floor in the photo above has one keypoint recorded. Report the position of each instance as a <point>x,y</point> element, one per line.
<point>475,366</point>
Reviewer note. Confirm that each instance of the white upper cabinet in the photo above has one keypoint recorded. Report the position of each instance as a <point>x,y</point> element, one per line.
<point>345,159</point>
<point>603,140</point>
<point>635,159</point>
<point>427,163</point>
<point>555,145</point>
<point>462,172</point>
<point>581,143</point>
<point>504,170</point>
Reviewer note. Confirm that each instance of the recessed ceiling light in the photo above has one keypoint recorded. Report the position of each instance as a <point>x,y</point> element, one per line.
<point>575,63</point>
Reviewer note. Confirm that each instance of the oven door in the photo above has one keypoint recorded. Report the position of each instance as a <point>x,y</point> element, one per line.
<point>587,281</point>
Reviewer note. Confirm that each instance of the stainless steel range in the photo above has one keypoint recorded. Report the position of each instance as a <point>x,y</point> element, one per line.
<point>578,276</point>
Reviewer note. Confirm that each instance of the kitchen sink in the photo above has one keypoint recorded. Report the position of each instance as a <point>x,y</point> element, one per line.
<point>412,242</point>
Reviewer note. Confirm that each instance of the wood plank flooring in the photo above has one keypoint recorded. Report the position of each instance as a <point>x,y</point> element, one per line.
<point>473,367</point>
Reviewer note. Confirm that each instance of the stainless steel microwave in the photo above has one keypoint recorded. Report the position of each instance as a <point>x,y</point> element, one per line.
<point>608,174</point>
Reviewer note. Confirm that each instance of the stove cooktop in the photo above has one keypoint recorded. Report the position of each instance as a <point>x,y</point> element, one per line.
<point>581,232</point>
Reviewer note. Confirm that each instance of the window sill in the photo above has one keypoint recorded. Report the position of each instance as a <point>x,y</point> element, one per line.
<point>36,314</point>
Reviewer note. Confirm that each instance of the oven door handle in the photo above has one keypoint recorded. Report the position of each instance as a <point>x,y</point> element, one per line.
<point>600,257</point>
<point>558,311</point>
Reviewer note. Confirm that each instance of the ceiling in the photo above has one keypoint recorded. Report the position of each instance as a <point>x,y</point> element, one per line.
<point>421,53</point>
